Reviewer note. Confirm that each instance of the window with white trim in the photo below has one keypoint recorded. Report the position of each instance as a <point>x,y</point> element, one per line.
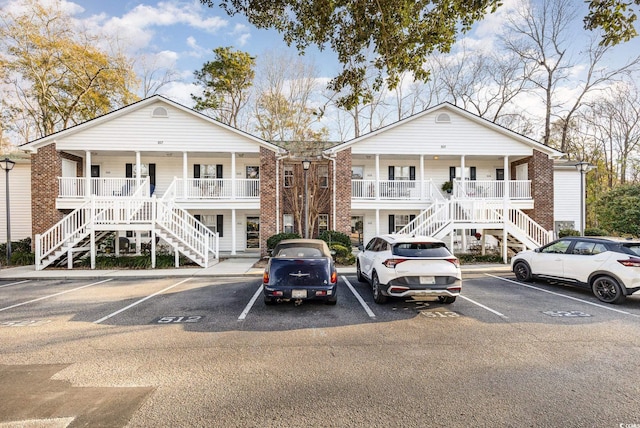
<point>288,176</point>
<point>323,222</point>
<point>323,176</point>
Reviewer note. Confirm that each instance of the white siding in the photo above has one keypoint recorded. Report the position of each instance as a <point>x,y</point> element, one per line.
<point>566,197</point>
<point>459,137</point>
<point>139,130</point>
<point>20,202</point>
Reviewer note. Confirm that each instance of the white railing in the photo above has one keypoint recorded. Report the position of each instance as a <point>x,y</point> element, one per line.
<point>536,233</point>
<point>188,230</point>
<point>214,188</point>
<point>476,211</point>
<point>391,189</point>
<point>491,189</point>
<point>75,187</point>
<point>73,227</point>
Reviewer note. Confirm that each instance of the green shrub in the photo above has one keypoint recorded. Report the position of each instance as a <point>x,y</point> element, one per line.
<point>334,237</point>
<point>273,240</point>
<point>21,246</point>
<point>469,258</point>
<point>595,231</point>
<point>22,258</point>
<point>568,232</point>
<point>343,255</point>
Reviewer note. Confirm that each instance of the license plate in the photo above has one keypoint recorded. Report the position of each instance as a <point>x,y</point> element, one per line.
<point>427,280</point>
<point>298,294</point>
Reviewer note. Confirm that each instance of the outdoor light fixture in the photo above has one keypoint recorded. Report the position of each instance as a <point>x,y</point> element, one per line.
<point>7,164</point>
<point>306,164</point>
<point>583,167</point>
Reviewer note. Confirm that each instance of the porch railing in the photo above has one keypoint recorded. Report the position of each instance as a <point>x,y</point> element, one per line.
<point>391,189</point>
<point>215,188</point>
<point>491,189</point>
<point>75,187</point>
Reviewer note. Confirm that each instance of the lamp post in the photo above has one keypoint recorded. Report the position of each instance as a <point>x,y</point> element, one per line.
<point>306,164</point>
<point>583,167</point>
<point>7,164</point>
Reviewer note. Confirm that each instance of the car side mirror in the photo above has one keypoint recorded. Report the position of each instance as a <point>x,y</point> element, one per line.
<point>361,247</point>
<point>537,250</point>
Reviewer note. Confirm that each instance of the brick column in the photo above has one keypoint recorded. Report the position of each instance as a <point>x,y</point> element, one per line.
<point>541,171</point>
<point>268,183</point>
<point>343,191</point>
<point>46,167</point>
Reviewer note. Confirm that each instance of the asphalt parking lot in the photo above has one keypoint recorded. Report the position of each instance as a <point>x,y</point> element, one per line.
<point>208,352</point>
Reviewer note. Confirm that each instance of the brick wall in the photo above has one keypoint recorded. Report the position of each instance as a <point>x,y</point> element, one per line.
<point>268,182</point>
<point>46,167</point>
<point>540,171</point>
<point>343,191</point>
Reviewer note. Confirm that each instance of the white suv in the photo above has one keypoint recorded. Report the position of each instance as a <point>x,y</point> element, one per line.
<point>610,267</point>
<point>404,266</point>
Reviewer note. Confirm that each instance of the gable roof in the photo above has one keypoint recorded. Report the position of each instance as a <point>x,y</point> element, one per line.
<point>551,152</point>
<point>34,145</point>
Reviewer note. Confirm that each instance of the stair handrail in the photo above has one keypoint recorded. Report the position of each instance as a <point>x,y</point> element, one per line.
<point>186,228</point>
<point>57,235</point>
<point>536,233</point>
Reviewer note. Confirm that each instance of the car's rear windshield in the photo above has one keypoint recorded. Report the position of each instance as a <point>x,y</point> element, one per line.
<point>309,251</point>
<point>421,249</point>
<point>633,248</point>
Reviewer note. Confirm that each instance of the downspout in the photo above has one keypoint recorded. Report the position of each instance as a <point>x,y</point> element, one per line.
<point>332,158</point>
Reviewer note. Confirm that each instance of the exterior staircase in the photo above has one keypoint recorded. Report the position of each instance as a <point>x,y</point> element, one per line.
<point>442,218</point>
<point>78,232</point>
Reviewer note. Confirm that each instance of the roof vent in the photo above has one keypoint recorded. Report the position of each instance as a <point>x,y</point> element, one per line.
<point>443,118</point>
<point>160,112</point>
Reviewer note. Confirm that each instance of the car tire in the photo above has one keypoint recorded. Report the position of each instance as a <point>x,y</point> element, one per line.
<point>269,301</point>
<point>359,273</point>
<point>447,300</point>
<point>331,302</point>
<point>608,290</point>
<point>378,297</point>
<point>522,271</point>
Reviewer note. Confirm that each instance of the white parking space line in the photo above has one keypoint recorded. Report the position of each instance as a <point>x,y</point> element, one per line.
<point>360,299</point>
<point>609,308</point>
<point>54,295</point>
<point>15,283</point>
<point>140,301</point>
<point>247,308</point>
<point>483,307</point>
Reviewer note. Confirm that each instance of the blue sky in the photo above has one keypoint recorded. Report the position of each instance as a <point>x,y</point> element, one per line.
<point>182,33</point>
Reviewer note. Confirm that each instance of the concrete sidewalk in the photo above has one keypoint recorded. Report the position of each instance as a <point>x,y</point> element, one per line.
<point>226,267</point>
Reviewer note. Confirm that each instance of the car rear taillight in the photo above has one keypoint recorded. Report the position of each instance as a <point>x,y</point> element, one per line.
<point>392,263</point>
<point>334,277</point>
<point>265,277</point>
<point>632,262</point>
<point>454,261</point>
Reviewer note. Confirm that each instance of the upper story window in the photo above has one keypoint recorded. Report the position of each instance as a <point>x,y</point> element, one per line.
<point>323,176</point>
<point>357,172</point>
<point>288,176</point>
<point>160,112</point>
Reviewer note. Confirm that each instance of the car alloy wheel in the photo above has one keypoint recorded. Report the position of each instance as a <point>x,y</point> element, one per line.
<point>607,289</point>
<point>522,271</point>
<point>378,297</point>
<point>447,300</point>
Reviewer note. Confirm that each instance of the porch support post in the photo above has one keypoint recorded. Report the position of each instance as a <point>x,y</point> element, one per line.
<point>138,171</point>
<point>87,174</point>
<point>153,248</point>
<point>505,207</point>
<point>422,187</point>
<point>185,165</point>
<point>463,177</point>
<point>377,221</point>
<point>233,232</point>
<point>233,175</point>
<point>377,195</point>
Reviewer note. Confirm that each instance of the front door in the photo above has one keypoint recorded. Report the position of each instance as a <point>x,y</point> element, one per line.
<point>95,184</point>
<point>253,232</point>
